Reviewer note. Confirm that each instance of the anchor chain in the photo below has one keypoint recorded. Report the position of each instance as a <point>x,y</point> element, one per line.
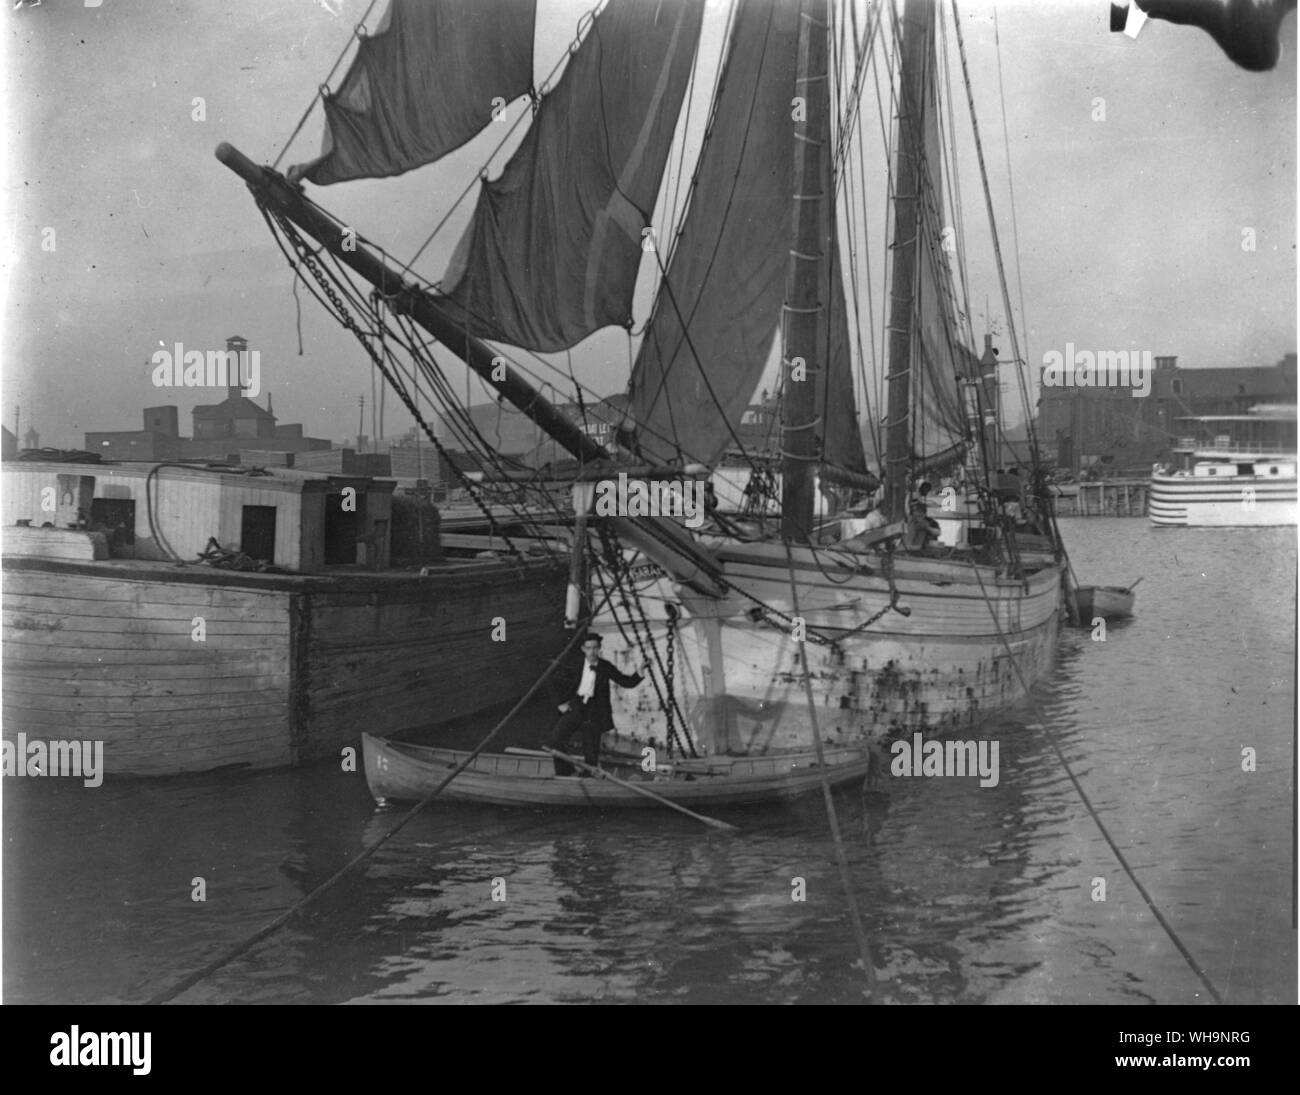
<point>623,581</point>
<point>887,568</point>
<point>671,610</point>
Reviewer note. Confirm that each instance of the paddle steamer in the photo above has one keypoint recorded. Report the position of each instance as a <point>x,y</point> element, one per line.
<point>1236,470</point>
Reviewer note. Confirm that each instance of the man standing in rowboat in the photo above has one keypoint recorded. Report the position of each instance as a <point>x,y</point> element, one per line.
<point>589,707</point>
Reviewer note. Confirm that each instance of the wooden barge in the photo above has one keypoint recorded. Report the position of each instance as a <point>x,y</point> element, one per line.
<point>179,667</point>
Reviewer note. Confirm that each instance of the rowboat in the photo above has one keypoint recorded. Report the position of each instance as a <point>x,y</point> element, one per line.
<point>404,771</point>
<point>1108,602</point>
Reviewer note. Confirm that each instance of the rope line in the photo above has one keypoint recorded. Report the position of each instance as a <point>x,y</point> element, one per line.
<point>841,860</point>
<point>1087,802</point>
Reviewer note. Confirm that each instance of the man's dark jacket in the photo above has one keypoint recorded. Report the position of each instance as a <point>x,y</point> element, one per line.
<point>597,709</point>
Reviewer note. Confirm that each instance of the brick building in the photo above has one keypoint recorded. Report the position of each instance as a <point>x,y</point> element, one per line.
<point>1110,428</point>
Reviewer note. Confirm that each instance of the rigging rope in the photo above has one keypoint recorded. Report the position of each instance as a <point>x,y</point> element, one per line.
<point>1092,811</point>
<point>345,317</point>
<point>1015,232</point>
<point>621,575</point>
<point>306,113</point>
<point>846,878</point>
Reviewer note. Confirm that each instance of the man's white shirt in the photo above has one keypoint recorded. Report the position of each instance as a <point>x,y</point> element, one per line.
<point>587,687</point>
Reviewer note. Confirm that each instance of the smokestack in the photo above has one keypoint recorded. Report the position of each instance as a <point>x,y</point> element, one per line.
<point>237,345</point>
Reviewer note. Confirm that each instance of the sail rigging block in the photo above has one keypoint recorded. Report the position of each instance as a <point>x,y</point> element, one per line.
<point>553,251</point>
<point>428,79</point>
<point>717,310</point>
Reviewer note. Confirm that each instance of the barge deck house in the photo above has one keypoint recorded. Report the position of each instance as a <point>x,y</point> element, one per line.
<point>114,631</point>
<point>1237,470</point>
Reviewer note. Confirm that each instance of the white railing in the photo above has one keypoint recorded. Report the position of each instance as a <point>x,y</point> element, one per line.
<point>1219,445</point>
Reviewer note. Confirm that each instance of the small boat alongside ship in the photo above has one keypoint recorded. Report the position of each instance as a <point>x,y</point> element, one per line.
<point>1238,470</point>
<point>1107,602</point>
<point>400,771</point>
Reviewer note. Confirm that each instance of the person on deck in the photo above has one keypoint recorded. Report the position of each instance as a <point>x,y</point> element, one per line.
<point>588,709</point>
<point>921,528</point>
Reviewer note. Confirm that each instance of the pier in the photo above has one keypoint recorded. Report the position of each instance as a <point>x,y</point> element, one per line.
<point>1103,498</point>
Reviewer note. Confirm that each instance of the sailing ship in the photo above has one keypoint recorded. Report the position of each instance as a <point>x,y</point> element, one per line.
<point>1237,470</point>
<point>766,637</point>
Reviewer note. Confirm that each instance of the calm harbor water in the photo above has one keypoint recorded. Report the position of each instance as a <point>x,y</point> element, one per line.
<point>970,894</point>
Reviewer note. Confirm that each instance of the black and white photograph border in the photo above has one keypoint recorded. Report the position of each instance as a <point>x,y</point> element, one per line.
<point>785,501</point>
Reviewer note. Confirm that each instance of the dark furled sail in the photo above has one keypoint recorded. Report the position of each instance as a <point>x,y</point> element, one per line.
<point>423,84</point>
<point>938,421</point>
<point>841,435</point>
<point>553,251</point>
<point>717,311</point>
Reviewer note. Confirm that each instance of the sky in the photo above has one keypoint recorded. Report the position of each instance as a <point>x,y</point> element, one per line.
<point>1140,168</point>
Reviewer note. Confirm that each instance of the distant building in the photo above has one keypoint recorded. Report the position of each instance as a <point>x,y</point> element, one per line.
<point>8,444</point>
<point>1109,426</point>
<point>221,431</point>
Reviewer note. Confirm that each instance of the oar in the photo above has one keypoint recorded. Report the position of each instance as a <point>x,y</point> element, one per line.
<point>1135,585</point>
<point>641,791</point>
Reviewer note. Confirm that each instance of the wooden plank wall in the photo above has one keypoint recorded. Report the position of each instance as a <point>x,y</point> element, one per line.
<point>189,506</point>
<point>421,651</point>
<point>288,519</point>
<point>114,660</point>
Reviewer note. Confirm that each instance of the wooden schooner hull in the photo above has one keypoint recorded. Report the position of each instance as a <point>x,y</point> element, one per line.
<point>944,667</point>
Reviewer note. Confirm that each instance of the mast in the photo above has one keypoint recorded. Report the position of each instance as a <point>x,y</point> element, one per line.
<point>804,349</point>
<point>918,30</point>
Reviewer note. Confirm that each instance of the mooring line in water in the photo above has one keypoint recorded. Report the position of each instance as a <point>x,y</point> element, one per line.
<point>846,879</point>
<point>1119,855</point>
<point>597,771</point>
<point>275,925</point>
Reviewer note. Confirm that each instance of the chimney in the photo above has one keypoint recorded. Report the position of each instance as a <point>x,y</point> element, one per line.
<point>989,359</point>
<point>992,382</point>
<point>164,420</point>
<point>238,346</point>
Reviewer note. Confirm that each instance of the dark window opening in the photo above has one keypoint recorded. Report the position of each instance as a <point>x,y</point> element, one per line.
<point>1245,469</point>
<point>257,533</point>
<point>342,527</point>
<point>116,518</point>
